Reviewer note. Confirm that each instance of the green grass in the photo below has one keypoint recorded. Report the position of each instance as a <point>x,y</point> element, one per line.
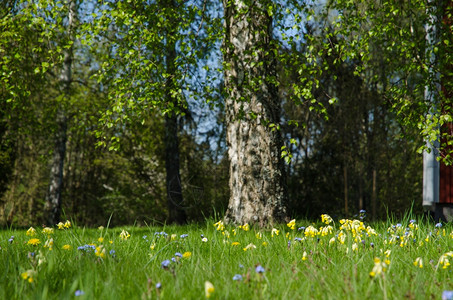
<point>330,270</point>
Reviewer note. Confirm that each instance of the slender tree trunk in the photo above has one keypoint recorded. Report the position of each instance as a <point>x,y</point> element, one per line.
<point>53,197</point>
<point>258,192</point>
<point>374,197</point>
<point>174,191</point>
<point>345,180</point>
<point>176,211</point>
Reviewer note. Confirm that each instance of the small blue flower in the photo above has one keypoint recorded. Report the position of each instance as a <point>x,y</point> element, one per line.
<point>412,221</point>
<point>165,264</point>
<point>398,225</point>
<point>259,269</point>
<point>178,254</point>
<point>79,293</point>
<point>362,211</point>
<point>301,228</point>
<point>372,245</point>
<point>183,236</point>
<point>145,237</point>
<point>158,285</point>
<point>447,295</point>
<point>241,266</point>
<point>298,239</point>
<point>173,259</point>
<point>438,225</point>
<point>11,239</point>
<point>237,277</point>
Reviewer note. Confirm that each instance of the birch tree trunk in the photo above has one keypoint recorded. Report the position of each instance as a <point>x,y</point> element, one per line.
<point>53,197</point>
<point>258,191</point>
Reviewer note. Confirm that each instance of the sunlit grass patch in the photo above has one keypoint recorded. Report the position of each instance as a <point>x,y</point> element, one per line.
<point>328,259</point>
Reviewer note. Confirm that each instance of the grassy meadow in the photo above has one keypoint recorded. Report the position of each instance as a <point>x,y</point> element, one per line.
<point>328,259</point>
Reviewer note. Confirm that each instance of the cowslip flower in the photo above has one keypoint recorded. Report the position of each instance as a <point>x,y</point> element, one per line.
<point>34,242</point>
<point>60,226</point>
<point>292,224</point>
<point>418,262</point>
<point>219,226</point>
<point>31,231</point>
<point>67,224</point>
<point>326,219</point>
<point>304,256</point>
<point>379,267</point>
<point>274,232</point>
<point>29,275</point>
<point>47,230</point>
<point>245,227</point>
<point>208,289</point>
<point>310,231</point>
<point>259,235</point>
<point>124,235</point>
<point>100,251</point>
<point>249,246</point>
<point>49,244</point>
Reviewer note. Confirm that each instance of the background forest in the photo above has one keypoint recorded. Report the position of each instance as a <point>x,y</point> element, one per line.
<point>77,82</point>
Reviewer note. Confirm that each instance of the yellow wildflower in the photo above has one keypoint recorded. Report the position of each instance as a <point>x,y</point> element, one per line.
<point>304,255</point>
<point>60,225</point>
<point>355,247</point>
<point>34,242</point>
<point>67,224</point>
<point>379,267</point>
<point>264,244</point>
<point>208,289</point>
<point>292,224</point>
<point>124,235</point>
<point>310,231</point>
<point>235,243</point>
<point>101,228</point>
<point>249,246</point>
<point>47,230</point>
<point>245,227</point>
<point>418,262</point>
<point>49,244</point>
<point>187,254</point>
<point>275,231</point>
<point>259,235</point>
<point>153,245</point>
<point>173,237</point>
<point>332,241</point>
<point>326,230</point>
<point>101,239</point>
<point>66,247</point>
<point>28,275</point>
<point>326,219</point>
<point>220,226</point>
<point>31,231</point>
<point>100,251</point>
